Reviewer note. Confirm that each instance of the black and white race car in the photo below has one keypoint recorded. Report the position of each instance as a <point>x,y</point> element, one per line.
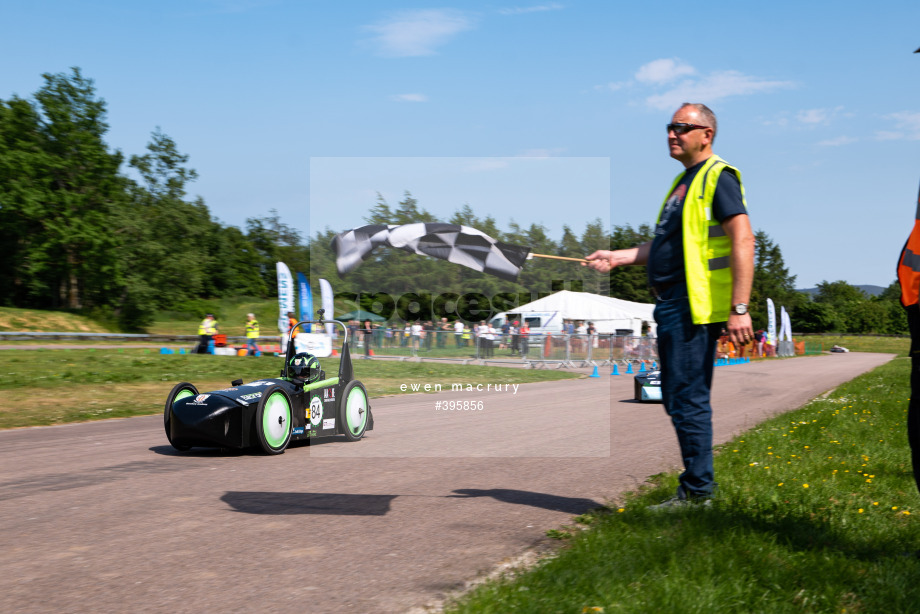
<point>271,413</point>
<point>647,386</point>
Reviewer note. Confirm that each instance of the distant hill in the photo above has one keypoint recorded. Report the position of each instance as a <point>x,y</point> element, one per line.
<point>868,289</point>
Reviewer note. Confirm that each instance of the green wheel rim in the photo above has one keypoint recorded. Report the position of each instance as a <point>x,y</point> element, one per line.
<point>276,420</point>
<point>185,392</point>
<point>356,410</point>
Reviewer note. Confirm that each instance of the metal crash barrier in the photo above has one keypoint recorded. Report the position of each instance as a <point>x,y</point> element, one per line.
<point>564,350</point>
<point>535,350</point>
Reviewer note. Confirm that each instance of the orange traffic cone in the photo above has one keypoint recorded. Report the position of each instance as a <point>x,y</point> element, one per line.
<point>335,352</point>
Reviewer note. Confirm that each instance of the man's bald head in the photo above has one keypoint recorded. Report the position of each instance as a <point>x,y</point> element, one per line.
<point>707,117</point>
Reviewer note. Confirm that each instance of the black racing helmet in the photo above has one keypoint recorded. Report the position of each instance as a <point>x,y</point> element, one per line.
<point>304,367</point>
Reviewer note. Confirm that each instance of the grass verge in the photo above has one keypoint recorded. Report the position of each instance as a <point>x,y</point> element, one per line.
<point>13,319</point>
<point>861,343</point>
<point>230,312</point>
<point>54,386</point>
<point>817,512</point>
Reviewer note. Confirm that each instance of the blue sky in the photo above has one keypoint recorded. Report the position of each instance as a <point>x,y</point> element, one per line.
<point>818,103</point>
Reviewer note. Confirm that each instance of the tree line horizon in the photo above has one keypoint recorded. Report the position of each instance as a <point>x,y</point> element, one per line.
<point>81,234</point>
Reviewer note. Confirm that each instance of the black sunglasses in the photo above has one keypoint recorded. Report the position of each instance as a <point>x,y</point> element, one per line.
<point>683,128</point>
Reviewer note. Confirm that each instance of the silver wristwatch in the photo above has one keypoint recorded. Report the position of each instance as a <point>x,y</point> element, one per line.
<point>739,309</point>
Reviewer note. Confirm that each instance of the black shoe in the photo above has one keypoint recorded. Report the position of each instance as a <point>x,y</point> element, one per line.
<point>675,503</point>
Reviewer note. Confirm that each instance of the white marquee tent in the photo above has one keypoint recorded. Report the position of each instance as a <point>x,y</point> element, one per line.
<point>608,314</point>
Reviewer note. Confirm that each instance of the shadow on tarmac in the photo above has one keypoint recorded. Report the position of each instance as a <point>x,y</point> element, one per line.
<point>289,503</point>
<point>338,504</point>
<point>569,505</point>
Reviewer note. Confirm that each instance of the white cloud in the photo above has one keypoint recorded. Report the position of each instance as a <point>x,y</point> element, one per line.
<point>818,116</point>
<point>681,82</point>
<point>417,33</point>
<point>838,141</point>
<point>712,87</point>
<point>520,10</point>
<point>812,116</point>
<point>409,97</point>
<point>663,71</point>
<point>907,126</point>
<point>780,121</point>
<point>541,153</point>
<point>239,6</point>
<point>486,164</point>
<point>613,86</point>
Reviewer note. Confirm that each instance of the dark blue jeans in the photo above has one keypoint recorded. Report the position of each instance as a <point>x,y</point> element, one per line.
<point>687,353</point>
<point>913,408</point>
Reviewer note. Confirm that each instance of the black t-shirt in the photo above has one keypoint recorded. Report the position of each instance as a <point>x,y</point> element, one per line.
<point>666,258</point>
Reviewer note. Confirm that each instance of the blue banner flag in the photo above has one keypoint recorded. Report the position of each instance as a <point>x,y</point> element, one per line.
<point>285,296</point>
<point>306,299</point>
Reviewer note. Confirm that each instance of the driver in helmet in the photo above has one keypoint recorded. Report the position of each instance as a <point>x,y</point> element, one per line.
<point>304,368</point>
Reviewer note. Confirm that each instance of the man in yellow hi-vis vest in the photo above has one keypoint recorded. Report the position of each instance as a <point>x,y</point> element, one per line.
<point>206,331</point>
<point>252,333</point>
<point>700,268</point>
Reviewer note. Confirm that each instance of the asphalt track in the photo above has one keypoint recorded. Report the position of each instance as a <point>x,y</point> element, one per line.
<point>106,517</point>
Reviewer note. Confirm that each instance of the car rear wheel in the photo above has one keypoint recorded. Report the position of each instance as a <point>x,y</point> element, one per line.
<point>353,411</point>
<point>273,420</point>
<point>179,391</point>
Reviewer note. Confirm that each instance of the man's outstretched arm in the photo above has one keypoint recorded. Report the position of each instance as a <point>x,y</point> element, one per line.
<point>604,260</point>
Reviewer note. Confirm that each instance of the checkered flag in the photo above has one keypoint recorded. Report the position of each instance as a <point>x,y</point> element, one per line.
<point>458,244</point>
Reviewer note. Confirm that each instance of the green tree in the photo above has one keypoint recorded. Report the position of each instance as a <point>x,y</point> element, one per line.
<point>867,316</point>
<point>890,298</point>
<point>594,237</point>
<point>271,241</point>
<point>77,250</point>
<point>838,294</point>
<point>23,193</point>
<point>234,266</point>
<point>380,213</point>
<point>771,280</point>
<point>812,317</point>
<point>164,235</point>
<point>79,234</point>
<point>630,283</point>
<point>60,187</point>
<point>843,300</point>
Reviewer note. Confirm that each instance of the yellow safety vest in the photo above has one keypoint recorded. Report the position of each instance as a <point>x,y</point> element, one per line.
<point>207,328</point>
<point>707,249</point>
<point>252,329</point>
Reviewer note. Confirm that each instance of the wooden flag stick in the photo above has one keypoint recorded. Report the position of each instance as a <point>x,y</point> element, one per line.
<point>558,257</point>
